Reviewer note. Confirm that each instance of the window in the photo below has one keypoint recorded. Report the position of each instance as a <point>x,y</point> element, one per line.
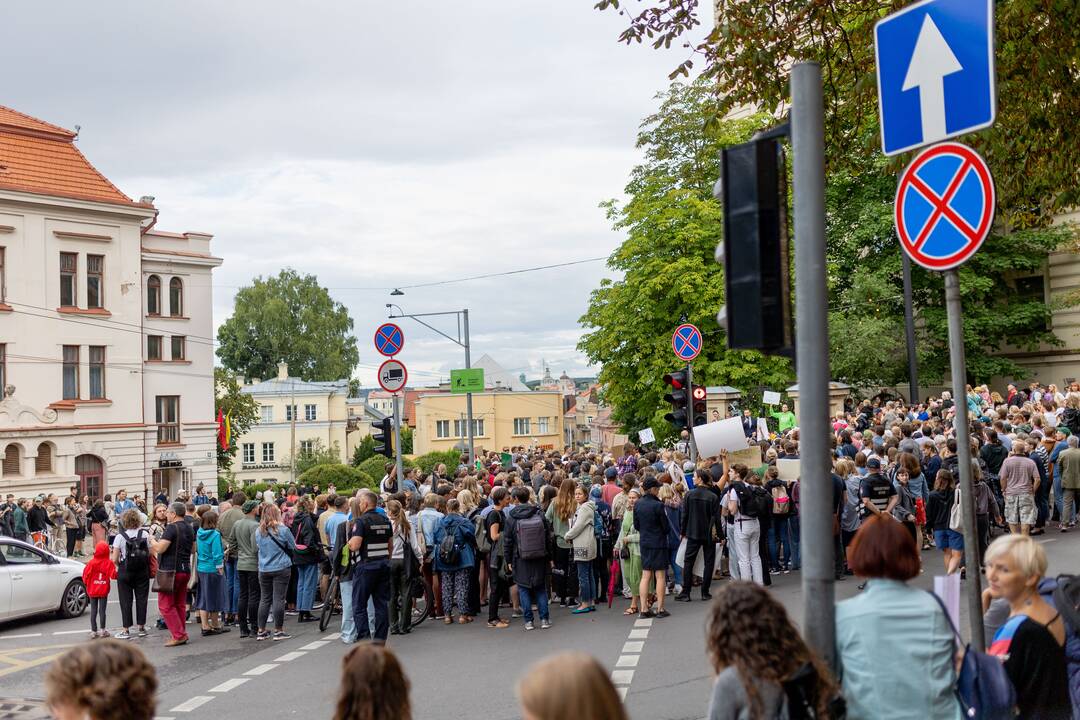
<point>176,297</point>
<point>266,413</point>
<point>153,295</point>
<point>459,428</point>
<point>21,555</point>
<point>178,342</point>
<point>43,462</point>
<point>306,447</point>
<point>153,347</point>
<point>95,281</point>
<point>71,372</point>
<point>290,413</point>
<point>542,427</point>
<point>521,426</point>
<point>69,266</point>
<point>168,419</point>
<point>442,428</point>
<point>12,464</point>
<point>268,452</point>
<point>97,372</point>
<point>309,412</point>
<point>249,453</point>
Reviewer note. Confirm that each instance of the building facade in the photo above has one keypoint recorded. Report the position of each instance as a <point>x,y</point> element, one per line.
<point>501,419</point>
<point>106,329</point>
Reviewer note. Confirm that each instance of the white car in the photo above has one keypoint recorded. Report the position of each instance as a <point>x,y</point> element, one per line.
<point>33,581</point>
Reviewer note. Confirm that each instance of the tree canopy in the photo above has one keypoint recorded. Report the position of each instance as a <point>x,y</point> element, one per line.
<point>288,317</point>
<point>240,408</point>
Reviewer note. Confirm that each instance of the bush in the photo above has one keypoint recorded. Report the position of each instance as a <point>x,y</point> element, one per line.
<point>376,466</point>
<point>429,462</point>
<point>255,488</point>
<point>342,477</point>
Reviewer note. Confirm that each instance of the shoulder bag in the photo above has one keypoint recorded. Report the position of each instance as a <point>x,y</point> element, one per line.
<point>285,548</point>
<point>165,580</point>
<point>956,515</point>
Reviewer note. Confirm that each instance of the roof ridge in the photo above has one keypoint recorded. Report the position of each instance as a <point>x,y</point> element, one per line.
<point>43,126</point>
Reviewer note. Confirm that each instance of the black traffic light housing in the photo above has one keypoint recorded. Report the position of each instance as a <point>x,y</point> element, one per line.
<point>382,433</point>
<point>700,408</point>
<point>754,251</point>
<point>678,396</point>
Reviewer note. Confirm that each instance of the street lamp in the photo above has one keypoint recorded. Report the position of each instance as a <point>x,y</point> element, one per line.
<point>462,339</point>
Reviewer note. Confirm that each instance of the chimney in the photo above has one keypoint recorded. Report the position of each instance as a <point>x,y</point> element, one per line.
<point>283,370</point>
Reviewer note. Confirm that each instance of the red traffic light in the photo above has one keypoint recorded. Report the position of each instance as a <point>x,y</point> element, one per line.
<point>699,392</point>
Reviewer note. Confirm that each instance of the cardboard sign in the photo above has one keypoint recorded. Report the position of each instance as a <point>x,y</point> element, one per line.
<point>646,436</point>
<point>771,398</point>
<point>750,457</point>
<point>788,469</point>
<point>762,429</point>
<point>727,434</point>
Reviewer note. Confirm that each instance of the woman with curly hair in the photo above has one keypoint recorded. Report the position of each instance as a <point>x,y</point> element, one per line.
<point>755,651</point>
<point>373,686</point>
<point>109,679</point>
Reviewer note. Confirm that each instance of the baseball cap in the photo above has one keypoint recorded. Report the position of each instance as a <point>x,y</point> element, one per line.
<point>873,463</point>
<point>650,483</point>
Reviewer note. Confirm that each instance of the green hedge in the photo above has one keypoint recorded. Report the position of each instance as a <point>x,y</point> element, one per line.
<point>429,462</point>
<point>342,477</point>
<point>375,466</point>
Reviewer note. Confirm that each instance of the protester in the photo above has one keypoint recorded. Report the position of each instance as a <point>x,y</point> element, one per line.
<point>210,567</point>
<point>404,567</point>
<point>629,544</point>
<point>174,551</point>
<point>529,554</point>
<point>276,547</point>
<point>560,514</point>
<point>97,576</point>
<point>651,524</point>
<point>455,552</point>
<point>131,555</point>
<point>242,537</point>
<point>498,563</point>
<point>103,681</point>
<point>306,558</point>
<point>370,540</point>
<point>569,685</point>
<point>1019,478</point>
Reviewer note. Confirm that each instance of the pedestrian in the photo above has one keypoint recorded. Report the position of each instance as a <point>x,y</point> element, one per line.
<point>276,547</point>
<point>1031,642</point>
<point>70,519</point>
<point>569,685</point>
<point>760,659</point>
<point>97,576</point>
<point>341,564</point>
<point>242,540</point>
<point>744,510</point>
<point>938,514</point>
<point>1069,460</point>
<point>174,551</point>
<point>698,525</point>
<point>370,540</point>
<point>672,502</point>
<point>429,520</point>
<point>306,558</point>
<point>629,544</point>
<point>582,536</point>
<point>131,555</point>
<point>893,625</point>
<point>228,518</point>
<point>779,538</point>
<point>455,552</point>
<point>651,523</point>
<point>404,567</point>
<point>559,514</point>
<point>373,686</point>
<point>529,553</point>
<point>102,681</point>
<point>498,574</point>
<point>604,541</point>
<point>1019,479</point>
<point>210,566</point>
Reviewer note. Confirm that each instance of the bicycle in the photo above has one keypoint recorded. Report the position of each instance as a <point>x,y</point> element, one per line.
<point>331,603</point>
<point>423,602</point>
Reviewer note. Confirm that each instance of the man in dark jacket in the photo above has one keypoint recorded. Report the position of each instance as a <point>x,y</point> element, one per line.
<point>651,522</point>
<point>530,574</point>
<point>700,515</point>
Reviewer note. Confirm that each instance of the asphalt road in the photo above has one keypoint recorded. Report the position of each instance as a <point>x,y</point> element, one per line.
<point>455,671</point>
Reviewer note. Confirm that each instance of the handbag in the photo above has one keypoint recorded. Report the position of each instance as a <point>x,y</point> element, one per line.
<point>624,552</point>
<point>165,580</point>
<point>287,550</point>
<point>956,515</point>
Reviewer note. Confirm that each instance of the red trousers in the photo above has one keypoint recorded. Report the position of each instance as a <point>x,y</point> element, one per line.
<point>173,606</point>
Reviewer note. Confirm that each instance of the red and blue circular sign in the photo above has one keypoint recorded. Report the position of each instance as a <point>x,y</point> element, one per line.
<point>945,205</point>
<point>686,342</point>
<point>389,340</point>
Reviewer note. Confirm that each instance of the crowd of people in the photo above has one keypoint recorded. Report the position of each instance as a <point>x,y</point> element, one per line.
<point>577,530</point>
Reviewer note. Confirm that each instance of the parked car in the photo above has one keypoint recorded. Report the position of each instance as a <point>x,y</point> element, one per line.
<point>34,581</point>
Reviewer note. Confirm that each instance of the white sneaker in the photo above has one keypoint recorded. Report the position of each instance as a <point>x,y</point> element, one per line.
<point>529,626</point>
<point>545,624</point>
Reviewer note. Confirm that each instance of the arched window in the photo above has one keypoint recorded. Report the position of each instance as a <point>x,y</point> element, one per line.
<point>43,463</point>
<point>12,461</point>
<point>153,295</point>
<point>176,297</point>
<point>91,474</point>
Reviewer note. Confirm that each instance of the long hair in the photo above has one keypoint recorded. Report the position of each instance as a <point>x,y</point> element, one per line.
<point>397,516</point>
<point>565,507</point>
<point>373,686</point>
<point>270,519</point>
<point>569,685</point>
<point>750,631</point>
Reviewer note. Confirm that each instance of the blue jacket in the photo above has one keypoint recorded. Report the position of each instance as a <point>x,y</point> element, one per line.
<point>271,557</point>
<point>211,555</point>
<point>464,536</point>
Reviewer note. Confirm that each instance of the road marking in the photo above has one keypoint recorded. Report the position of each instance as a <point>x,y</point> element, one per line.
<point>18,637</point>
<point>196,702</point>
<point>229,685</point>
<point>261,669</point>
<point>622,693</point>
<point>315,645</point>
<point>625,661</point>
<point>159,717</point>
<point>639,634</point>
<point>643,623</point>
<point>332,636</point>
<point>287,657</point>
<point>70,632</point>
<point>632,647</point>
<point>622,677</point>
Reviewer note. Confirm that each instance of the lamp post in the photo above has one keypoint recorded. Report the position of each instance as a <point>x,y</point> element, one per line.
<point>462,339</point>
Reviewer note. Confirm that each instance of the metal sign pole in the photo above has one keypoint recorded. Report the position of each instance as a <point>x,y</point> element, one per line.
<point>963,452</point>
<point>690,413</point>
<point>909,333</point>
<point>468,396</point>
<point>397,440</point>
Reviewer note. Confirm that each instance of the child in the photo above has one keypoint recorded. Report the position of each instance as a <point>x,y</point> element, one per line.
<point>98,576</point>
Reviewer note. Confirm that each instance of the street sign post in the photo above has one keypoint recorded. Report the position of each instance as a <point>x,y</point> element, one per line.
<point>470,380</point>
<point>686,342</point>
<point>944,206</point>
<point>393,376</point>
<point>389,339</point>
<point>935,72</point>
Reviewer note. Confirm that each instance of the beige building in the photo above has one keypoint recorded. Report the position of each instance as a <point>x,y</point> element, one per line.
<point>106,329</point>
<point>501,419</point>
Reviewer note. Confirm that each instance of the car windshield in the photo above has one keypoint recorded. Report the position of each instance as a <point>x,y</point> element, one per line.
<point>20,554</point>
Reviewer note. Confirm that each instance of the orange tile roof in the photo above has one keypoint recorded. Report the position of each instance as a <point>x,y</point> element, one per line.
<point>39,157</point>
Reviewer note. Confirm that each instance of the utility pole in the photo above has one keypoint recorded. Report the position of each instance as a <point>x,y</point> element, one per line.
<point>812,353</point>
<point>468,396</point>
<point>292,433</point>
<point>397,439</point>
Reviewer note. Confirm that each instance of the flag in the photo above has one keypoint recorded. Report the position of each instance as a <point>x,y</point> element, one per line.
<point>222,441</point>
<point>228,431</point>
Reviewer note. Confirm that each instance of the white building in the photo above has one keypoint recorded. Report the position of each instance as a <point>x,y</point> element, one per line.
<point>106,329</point>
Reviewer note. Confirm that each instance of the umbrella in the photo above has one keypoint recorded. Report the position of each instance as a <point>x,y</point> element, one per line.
<point>616,579</point>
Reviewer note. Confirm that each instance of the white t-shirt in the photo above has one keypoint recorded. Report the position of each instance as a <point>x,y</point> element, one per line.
<point>120,544</point>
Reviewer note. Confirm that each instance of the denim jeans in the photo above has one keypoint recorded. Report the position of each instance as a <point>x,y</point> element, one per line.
<point>1059,497</point>
<point>307,580</point>
<point>779,535</point>
<point>676,571</point>
<point>348,622</point>
<point>527,595</point>
<point>232,587</point>
<point>793,534</point>
<point>586,585</point>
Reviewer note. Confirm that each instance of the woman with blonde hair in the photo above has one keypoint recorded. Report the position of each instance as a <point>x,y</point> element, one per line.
<point>276,548</point>
<point>559,514</point>
<point>404,566</point>
<point>569,685</point>
<point>373,686</point>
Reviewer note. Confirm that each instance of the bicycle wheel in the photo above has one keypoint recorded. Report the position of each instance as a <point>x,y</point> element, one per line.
<point>329,603</point>
<point>423,606</point>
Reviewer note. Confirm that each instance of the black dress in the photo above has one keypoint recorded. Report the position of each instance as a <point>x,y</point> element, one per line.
<point>651,522</point>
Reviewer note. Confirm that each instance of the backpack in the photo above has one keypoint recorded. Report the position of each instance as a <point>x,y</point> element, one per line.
<point>483,540</point>
<point>600,525</point>
<point>137,555</point>
<point>781,502</point>
<point>449,549</point>
<point>532,537</point>
<point>754,500</point>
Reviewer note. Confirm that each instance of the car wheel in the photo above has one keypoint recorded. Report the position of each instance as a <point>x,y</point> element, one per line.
<point>74,601</point>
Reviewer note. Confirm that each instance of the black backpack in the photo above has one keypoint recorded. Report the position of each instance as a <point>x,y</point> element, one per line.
<point>754,500</point>
<point>449,549</point>
<point>137,554</point>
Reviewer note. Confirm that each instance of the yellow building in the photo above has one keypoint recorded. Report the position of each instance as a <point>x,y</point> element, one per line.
<point>501,419</point>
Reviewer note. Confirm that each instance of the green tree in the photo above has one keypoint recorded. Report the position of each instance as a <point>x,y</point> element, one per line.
<point>406,440</point>
<point>363,451</point>
<point>669,274</point>
<point>319,454</point>
<point>239,407</point>
<point>289,317</point>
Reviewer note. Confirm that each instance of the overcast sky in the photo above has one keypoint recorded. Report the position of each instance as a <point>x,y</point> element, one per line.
<point>371,144</point>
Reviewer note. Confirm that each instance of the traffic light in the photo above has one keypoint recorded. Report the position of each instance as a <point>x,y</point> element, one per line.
<point>383,433</point>
<point>754,251</point>
<point>678,397</point>
<point>699,395</point>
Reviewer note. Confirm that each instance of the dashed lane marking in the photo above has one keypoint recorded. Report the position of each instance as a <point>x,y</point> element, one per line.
<point>19,637</point>
<point>315,645</point>
<point>70,632</point>
<point>261,669</point>
<point>639,634</point>
<point>647,622</point>
<point>633,647</point>
<point>332,636</point>
<point>229,685</point>
<point>622,677</point>
<point>287,657</point>
<point>192,703</point>
<point>625,661</point>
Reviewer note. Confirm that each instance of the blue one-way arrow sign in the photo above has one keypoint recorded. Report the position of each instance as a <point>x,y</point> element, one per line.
<point>935,69</point>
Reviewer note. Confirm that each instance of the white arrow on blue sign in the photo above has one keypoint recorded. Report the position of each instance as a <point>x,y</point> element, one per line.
<point>935,71</point>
